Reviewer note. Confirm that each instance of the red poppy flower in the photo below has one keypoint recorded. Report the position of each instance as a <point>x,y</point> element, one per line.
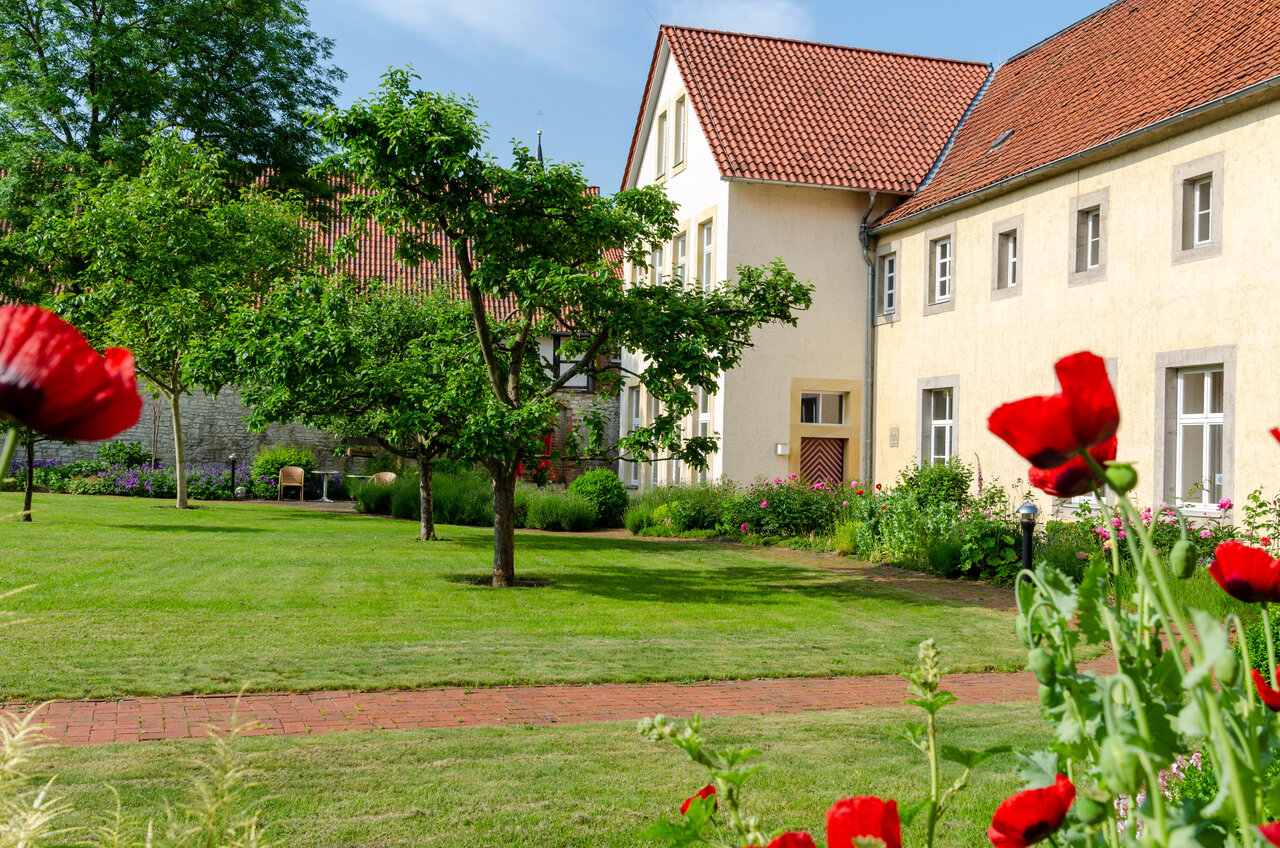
<point>1246,574</point>
<point>1275,433</point>
<point>1074,478</point>
<point>1049,430</point>
<point>1025,818</point>
<point>54,383</point>
<point>705,792</point>
<point>1271,832</point>
<point>1269,696</point>
<point>864,817</point>
<point>792,839</point>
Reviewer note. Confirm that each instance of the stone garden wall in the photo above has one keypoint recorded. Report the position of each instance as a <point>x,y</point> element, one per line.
<point>214,428</point>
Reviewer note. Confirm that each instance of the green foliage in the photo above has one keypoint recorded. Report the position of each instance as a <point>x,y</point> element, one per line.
<point>559,509</point>
<point>845,539</point>
<point>787,507</point>
<point>605,491</point>
<point>460,499</point>
<point>463,498</point>
<point>940,484</point>
<point>127,454</point>
<point>268,461</point>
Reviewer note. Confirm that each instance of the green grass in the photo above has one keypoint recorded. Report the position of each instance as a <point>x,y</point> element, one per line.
<point>132,597</point>
<point>573,785</point>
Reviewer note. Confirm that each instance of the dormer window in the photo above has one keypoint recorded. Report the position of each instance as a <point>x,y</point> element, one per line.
<point>999,142</point>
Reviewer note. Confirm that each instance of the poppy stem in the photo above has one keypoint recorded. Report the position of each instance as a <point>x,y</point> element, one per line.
<point>1271,645</point>
<point>6,454</point>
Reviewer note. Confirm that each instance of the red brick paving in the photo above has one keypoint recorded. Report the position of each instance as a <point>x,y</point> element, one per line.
<point>305,713</point>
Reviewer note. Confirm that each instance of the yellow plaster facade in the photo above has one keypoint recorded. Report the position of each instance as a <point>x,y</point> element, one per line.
<point>1153,305</point>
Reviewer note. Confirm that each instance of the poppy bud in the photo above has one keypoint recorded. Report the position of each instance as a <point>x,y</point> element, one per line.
<point>1092,810</point>
<point>1120,769</point>
<point>1227,669</point>
<point>1121,476</point>
<point>1041,665</point>
<point>1180,559</point>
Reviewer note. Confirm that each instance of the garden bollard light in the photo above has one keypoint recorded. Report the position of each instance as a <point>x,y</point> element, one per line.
<point>1027,514</point>
<point>231,467</point>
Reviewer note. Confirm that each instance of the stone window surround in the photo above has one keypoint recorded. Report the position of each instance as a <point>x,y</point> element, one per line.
<point>1206,166</point>
<point>934,235</point>
<point>927,384</point>
<point>882,250</point>
<point>1101,199</point>
<point>1168,363</point>
<point>999,228</point>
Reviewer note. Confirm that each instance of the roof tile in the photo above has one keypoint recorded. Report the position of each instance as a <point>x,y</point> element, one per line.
<point>1130,65</point>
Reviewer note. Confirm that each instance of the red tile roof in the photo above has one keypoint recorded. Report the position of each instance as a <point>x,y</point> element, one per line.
<point>817,114</point>
<point>1123,68</point>
<point>375,258</point>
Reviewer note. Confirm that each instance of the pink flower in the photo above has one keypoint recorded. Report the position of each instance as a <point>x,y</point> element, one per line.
<point>777,479</point>
<point>1206,533</point>
<point>1117,523</point>
<point>743,527</point>
<point>844,503</point>
<point>789,477</point>
<point>1082,555</point>
<point>1225,504</point>
<point>764,504</point>
<point>1120,535</point>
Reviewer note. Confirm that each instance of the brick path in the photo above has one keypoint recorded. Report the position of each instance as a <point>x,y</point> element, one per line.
<point>303,713</point>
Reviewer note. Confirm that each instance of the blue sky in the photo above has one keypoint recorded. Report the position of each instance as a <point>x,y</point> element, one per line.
<point>583,62</point>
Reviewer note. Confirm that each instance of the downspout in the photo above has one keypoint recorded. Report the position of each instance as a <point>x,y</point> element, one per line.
<point>865,465</point>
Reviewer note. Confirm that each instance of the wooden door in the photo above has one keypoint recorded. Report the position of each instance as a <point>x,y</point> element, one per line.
<point>821,459</point>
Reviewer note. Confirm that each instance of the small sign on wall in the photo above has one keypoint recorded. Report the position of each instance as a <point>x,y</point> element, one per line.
<point>893,437</point>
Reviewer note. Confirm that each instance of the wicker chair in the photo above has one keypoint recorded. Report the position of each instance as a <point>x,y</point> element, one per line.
<point>383,478</point>
<point>291,475</point>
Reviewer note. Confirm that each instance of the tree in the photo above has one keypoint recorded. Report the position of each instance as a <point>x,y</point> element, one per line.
<point>83,84</point>
<point>534,243</point>
<point>169,257</point>
<point>96,76</point>
<point>367,361</point>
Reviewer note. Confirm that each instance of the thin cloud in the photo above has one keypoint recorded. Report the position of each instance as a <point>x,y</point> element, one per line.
<point>785,18</point>
<point>567,36</point>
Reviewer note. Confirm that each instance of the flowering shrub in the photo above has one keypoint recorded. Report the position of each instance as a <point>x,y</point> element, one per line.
<point>788,506</point>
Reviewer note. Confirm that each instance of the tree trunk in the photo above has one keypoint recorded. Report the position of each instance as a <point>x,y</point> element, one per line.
<point>31,480</point>
<point>427,524</point>
<point>179,451</point>
<point>504,524</point>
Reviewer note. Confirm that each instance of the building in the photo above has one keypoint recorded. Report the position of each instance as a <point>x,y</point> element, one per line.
<point>1106,189</point>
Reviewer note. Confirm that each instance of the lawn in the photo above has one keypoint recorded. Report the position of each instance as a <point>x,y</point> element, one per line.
<point>572,785</point>
<point>133,597</point>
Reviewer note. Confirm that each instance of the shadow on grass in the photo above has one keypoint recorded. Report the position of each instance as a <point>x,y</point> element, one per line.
<point>188,528</point>
<point>736,585</point>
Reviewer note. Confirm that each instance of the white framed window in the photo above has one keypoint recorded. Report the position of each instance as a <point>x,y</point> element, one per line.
<point>634,414</point>
<point>660,146</point>
<point>823,407</point>
<point>681,129</point>
<point>704,424</point>
<point>655,409</point>
<point>943,264</point>
<point>940,433</point>
<point>1198,453</point>
<point>1007,273</point>
<point>706,235</point>
<point>889,284</point>
<point>1202,211</point>
<point>657,269</point>
<point>704,429</point>
<point>680,258</point>
<point>1089,239</point>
